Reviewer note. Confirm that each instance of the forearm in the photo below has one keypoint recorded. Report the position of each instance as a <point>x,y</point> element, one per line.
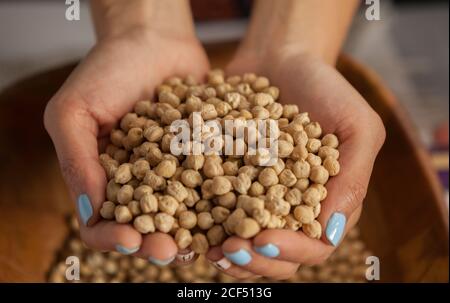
<point>315,27</point>
<point>116,17</point>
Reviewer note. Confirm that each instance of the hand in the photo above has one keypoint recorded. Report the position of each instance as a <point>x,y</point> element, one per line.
<point>118,72</point>
<point>319,89</point>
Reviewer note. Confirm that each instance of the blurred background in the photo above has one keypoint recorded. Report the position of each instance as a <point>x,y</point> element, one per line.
<point>408,49</point>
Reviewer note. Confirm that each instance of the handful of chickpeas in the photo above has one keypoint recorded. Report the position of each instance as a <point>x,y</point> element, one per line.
<point>202,198</point>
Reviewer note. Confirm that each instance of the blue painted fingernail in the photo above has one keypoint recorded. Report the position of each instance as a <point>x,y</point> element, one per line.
<point>269,250</point>
<point>160,262</point>
<point>84,208</point>
<point>335,228</point>
<point>126,251</point>
<point>240,257</point>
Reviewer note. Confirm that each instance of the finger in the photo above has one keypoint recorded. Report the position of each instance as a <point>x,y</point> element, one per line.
<point>241,253</point>
<point>74,134</point>
<point>347,190</point>
<point>111,236</point>
<point>159,248</point>
<point>294,246</point>
<point>217,259</point>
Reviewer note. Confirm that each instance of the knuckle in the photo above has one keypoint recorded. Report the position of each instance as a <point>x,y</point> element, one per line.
<point>354,196</point>
<point>70,173</point>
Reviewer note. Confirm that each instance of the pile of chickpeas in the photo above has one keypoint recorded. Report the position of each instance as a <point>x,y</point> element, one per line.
<point>347,264</point>
<point>201,199</point>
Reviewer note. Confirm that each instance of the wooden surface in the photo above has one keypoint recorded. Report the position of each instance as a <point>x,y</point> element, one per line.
<point>404,222</point>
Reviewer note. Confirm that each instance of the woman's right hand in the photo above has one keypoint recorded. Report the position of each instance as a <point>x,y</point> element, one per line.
<point>119,71</point>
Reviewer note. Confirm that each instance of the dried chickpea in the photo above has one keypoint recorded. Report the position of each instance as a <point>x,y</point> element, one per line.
<point>163,222</point>
<point>154,181</point>
<point>167,204</point>
<point>313,230</point>
<point>134,208</point>
<point>294,196</point>
<point>148,203</point>
<point>287,178</point>
<point>276,191</point>
<point>313,145</point>
<point>191,178</point>
<point>107,210</point>
<point>200,243</point>
<point>205,220</point>
<point>311,196</point>
<point>220,214</point>
<point>319,174</point>
<point>233,219</point>
<point>221,185</point>
<point>262,216</point>
<point>242,183</point>
<point>292,223</point>
<point>326,151</point>
<point>141,190</point>
<point>278,207</point>
<point>112,188</point>
<point>183,238</point>
<point>330,140</point>
<point>166,168</point>
<point>301,169</point>
<point>313,130</point>
<point>140,168</point>
<point>216,235</point>
<point>212,168</point>
<point>227,200</point>
<point>256,189</point>
<point>123,173</point>
<point>289,111</point>
<point>125,194</point>
<point>187,219</point>
<point>144,224</point>
<point>153,133</point>
<point>177,190</point>
<point>247,228</point>
<point>313,160</point>
<point>332,166</point>
<point>322,190</point>
<point>122,214</point>
<point>268,177</point>
<point>304,214</point>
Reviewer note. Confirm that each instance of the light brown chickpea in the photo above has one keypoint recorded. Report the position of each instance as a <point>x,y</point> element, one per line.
<point>205,220</point>
<point>122,214</point>
<point>247,228</point>
<point>163,222</point>
<point>276,191</point>
<point>311,196</point>
<point>187,219</point>
<point>313,230</point>
<point>262,216</point>
<point>148,203</point>
<point>326,151</point>
<point>332,166</point>
<point>294,196</point>
<point>177,190</point>
<point>166,168</point>
<point>233,219</point>
<point>167,204</point>
<point>227,200</point>
<point>191,178</point>
<point>141,190</point>
<point>287,178</point>
<point>242,183</point>
<point>183,238</point>
<point>256,189</point>
<point>319,174</point>
<point>192,198</point>
<point>134,208</point>
<point>330,140</point>
<point>216,235</point>
<point>268,177</point>
<point>221,185</point>
<point>200,243</point>
<point>153,133</point>
<point>304,214</point>
<point>125,194</point>
<point>107,210</point>
<point>112,188</point>
<point>220,214</point>
<point>140,168</point>
<point>144,224</point>
<point>123,173</point>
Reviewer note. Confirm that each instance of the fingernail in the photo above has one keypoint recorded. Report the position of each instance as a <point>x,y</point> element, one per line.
<point>126,251</point>
<point>335,228</point>
<point>240,257</point>
<point>84,208</point>
<point>185,257</point>
<point>222,264</point>
<point>161,262</point>
<point>269,250</point>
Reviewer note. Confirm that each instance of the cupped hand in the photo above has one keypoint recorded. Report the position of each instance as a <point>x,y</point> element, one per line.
<point>317,88</point>
<point>117,72</point>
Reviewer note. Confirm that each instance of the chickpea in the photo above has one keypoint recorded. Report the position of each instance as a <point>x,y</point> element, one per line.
<point>148,203</point>
<point>183,238</point>
<point>227,200</point>
<point>200,243</point>
<point>123,173</point>
<point>107,210</point>
<point>332,166</point>
<point>311,196</point>
<point>242,183</point>
<point>304,214</point>
<point>122,214</point>
<point>319,174</point>
<point>220,214</point>
<point>313,230</point>
<point>164,222</point>
<point>247,228</point>
<point>205,220</point>
<point>294,196</point>
<point>141,190</point>
<point>125,194</point>
<point>167,204</point>
<point>177,190</point>
<point>191,178</point>
<point>216,235</point>
<point>256,189</point>
<point>220,185</point>
<point>144,224</point>
<point>187,219</point>
<point>166,168</point>
<point>134,208</point>
<point>268,177</point>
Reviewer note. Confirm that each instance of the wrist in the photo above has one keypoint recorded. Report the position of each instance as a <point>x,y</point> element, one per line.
<point>113,18</point>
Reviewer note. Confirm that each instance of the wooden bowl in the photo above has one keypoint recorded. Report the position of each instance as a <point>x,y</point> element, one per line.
<point>405,220</point>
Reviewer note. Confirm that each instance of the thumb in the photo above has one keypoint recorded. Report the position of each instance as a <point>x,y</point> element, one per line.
<point>74,131</point>
<point>348,189</point>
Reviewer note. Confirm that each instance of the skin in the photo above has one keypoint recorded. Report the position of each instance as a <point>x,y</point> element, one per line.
<point>144,38</point>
